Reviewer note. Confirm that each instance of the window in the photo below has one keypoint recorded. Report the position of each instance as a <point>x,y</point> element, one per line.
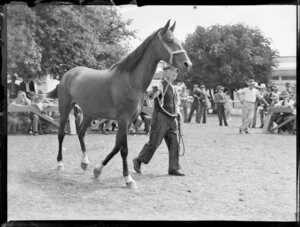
<point>275,77</point>
<point>288,78</point>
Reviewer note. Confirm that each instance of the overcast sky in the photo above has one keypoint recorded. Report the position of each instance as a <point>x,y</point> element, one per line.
<point>278,23</point>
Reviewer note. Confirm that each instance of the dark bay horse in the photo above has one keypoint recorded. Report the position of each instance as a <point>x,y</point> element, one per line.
<point>116,93</point>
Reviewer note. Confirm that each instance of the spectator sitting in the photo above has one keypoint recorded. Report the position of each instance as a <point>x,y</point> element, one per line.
<point>23,118</point>
<point>275,99</point>
<point>27,85</point>
<point>13,88</point>
<point>39,124</point>
<point>12,120</point>
<point>281,117</point>
<point>276,91</point>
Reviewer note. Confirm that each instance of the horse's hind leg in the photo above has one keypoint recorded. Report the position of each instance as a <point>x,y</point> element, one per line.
<point>81,135</point>
<point>64,111</point>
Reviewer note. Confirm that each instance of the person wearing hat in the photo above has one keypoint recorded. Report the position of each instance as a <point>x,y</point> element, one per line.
<point>281,117</point>
<point>195,104</point>
<point>275,91</point>
<point>183,103</point>
<point>27,85</point>
<point>164,124</point>
<point>203,104</point>
<point>250,94</point>
<point>288,88</point>
<point>275,99</point>
<point>13,88</point>
<point>220,101</point>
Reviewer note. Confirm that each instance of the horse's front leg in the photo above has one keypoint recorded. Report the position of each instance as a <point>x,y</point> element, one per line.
<point>121,144</point>
<point>130,183</point>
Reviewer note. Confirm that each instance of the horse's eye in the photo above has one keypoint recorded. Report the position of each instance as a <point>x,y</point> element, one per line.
<point>169,40</point>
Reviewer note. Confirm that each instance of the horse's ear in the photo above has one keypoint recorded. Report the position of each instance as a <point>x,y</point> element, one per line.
<point>164,29</point>
<point>173,27</point>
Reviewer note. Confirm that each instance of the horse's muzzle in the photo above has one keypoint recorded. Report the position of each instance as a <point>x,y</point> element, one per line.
<point>187,65</point>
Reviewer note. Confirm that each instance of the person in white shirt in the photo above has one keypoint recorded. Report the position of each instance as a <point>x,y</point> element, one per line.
<point>248,104</point>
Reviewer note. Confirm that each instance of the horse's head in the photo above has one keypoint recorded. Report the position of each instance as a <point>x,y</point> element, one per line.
<point>170,49</point>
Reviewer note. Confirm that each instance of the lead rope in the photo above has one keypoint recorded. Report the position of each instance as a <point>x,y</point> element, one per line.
<point>180,139</point>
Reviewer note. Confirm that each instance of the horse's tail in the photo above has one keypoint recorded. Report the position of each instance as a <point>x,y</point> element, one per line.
<point>53,94</point>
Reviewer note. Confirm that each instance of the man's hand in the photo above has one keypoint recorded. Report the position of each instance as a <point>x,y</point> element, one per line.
<point>179,116</point>
<point>154,88</point>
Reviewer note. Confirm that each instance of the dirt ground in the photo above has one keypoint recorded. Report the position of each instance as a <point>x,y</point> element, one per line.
<point>229,176</point>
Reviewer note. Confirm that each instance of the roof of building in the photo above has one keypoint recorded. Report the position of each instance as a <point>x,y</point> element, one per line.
<point>286,63</point>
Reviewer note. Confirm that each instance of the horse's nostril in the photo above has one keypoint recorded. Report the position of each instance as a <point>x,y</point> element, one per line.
<point>186,64</point>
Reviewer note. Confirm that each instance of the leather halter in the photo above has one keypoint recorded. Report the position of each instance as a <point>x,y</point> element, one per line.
<point>181,51</point>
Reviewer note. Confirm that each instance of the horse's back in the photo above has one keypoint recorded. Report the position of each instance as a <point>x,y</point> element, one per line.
<point>82,77</point>
<point>91,89</point>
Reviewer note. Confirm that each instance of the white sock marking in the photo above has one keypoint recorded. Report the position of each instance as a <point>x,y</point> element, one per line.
<point>100,166</point>
<point>128,179</point>
<point>85,158</point>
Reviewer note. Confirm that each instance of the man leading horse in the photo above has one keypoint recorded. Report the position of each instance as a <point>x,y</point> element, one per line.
<point>164,124</point>
<point>116,93</point>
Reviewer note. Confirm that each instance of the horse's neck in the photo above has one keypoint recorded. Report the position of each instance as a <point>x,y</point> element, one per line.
<point>146,68</point>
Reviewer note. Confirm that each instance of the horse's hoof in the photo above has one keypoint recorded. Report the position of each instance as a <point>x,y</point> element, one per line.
<point>60,167</point>
<point>84,166</point>
<point>131,185</point>
<point>97,172</point>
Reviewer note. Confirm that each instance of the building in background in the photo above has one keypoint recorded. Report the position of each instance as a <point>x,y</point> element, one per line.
<point>285,72</point>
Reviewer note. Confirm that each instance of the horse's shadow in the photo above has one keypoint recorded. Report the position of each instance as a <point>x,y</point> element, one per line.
<point>83,181</point>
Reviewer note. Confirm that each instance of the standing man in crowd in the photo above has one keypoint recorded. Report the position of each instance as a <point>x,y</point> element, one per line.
<point>256,104</point>
<point>220,101</point>
<point>248,104</point>
<point>203,104</point>
<point>275,91</point>
<point>27,85</point>
<point>183,102</point>
<point>13,88</point>
<point>195,104</point>
<point>164,124</point>
<point>288,88</point>
<point>262,107</point>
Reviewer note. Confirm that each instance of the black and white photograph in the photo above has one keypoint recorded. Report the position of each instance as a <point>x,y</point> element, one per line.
<point>176,113</point>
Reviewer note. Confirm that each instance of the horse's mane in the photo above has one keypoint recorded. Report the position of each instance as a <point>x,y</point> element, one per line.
<point>129,63</point>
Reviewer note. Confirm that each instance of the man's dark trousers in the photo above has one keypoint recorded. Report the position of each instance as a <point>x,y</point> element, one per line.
<point>203,112</point>
<point>221,113</point>
<point>195,106</point>
<point>162,127</point>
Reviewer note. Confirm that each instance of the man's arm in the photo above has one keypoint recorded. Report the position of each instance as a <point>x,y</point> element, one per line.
<point>262,98</point>
<point>238,93</point>
<point>156,91</point>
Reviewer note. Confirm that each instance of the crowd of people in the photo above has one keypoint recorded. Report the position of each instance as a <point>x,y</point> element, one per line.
<point>255,101</point>
<point>201,101</point>
<point>24,94</point>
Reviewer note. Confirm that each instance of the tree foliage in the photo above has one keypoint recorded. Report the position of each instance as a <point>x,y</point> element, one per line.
<point>55,38</point>
<point>228,55</point>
